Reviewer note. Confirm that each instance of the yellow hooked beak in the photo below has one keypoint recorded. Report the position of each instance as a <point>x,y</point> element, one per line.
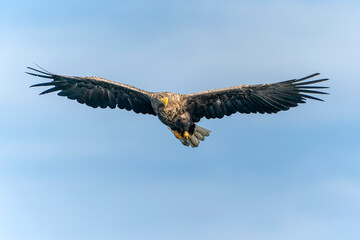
<point>164,100</point>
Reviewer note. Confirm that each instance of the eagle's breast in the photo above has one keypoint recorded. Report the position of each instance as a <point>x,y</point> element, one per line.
<point>174,114</point>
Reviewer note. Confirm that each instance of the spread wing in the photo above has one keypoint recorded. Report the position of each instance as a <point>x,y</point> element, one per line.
<point>264,98</point>
<point>97,92</point>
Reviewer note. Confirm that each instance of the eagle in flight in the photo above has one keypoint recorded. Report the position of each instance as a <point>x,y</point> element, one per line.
<point>180,112</point>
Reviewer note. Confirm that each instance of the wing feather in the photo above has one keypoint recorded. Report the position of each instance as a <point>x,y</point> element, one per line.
<point>262,98</point>
<point>96,92</point>
<point>78,94</point>
<point>112,100</point>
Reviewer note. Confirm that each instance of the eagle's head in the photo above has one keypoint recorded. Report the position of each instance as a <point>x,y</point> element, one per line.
<point>160,101</point>
<point>164,100</point>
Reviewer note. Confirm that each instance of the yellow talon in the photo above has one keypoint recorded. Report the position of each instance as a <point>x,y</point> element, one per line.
<point>177,134</point>
<point>186,135</point>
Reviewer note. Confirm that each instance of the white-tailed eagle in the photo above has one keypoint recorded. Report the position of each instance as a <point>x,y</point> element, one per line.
<point>180,112</point>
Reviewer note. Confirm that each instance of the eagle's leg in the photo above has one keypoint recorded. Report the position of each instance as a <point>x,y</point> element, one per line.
<point>177,134</point>
<point>186,135</point>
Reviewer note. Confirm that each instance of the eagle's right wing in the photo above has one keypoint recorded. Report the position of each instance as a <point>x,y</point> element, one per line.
<point>262,98</point>
<point>97,92</point>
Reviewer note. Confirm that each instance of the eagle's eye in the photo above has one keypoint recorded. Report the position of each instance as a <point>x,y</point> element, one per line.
<point>164,100</point>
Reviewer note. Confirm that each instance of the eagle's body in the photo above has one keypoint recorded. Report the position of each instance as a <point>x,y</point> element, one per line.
<point>174,114</point>
<point>180,112</point>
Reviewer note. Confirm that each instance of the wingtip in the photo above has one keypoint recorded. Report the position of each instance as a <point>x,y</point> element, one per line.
<point>310,97</point>
<point>307,77</point>
<point>43,71</point>
<point>314,74</point>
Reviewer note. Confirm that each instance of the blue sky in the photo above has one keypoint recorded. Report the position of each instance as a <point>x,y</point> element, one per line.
<point>72,172</point>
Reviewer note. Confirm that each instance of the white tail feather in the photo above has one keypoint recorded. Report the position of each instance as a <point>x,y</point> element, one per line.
<point>199,136</point>
<point>205,132</point>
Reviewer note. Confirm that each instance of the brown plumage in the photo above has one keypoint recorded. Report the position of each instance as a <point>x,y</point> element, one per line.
<point>180,112</point>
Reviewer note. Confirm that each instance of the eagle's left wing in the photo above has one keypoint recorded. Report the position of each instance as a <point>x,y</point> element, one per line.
<point>97,92</point>
<point>264,98</point>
